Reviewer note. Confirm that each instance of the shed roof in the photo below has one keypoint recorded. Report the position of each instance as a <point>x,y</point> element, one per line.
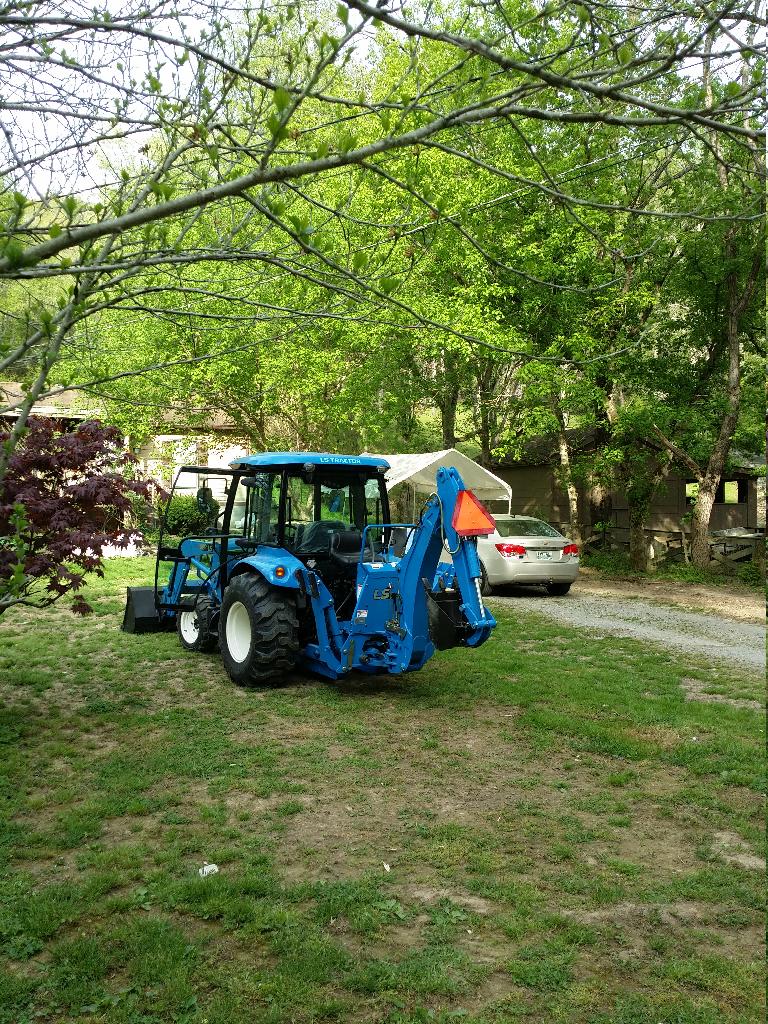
<point>64,405</point>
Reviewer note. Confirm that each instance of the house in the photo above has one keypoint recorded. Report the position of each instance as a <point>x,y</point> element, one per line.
<point>216,441</point>
<point>67,408</point>
<point>536,490</point>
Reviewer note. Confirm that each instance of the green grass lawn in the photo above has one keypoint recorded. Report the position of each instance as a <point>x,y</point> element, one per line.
<point>547,829</point>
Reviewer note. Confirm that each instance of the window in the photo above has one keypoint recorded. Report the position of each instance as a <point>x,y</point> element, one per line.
<point>732,492</point>
<point>256,508</point>
<point>323,503</point>
<point>525,528</point>
<point>196,505</point>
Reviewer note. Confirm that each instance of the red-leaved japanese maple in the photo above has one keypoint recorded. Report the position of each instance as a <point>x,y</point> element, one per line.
<point>62,500</point>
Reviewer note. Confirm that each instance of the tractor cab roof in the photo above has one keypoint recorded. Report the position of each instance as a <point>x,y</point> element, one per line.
<point>282,460</point>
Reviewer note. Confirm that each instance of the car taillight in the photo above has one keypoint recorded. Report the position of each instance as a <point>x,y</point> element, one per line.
<point>509,550</point>
<point>571,549</point>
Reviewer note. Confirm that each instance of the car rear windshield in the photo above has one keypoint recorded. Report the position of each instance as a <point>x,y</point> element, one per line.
<point>525,528</point>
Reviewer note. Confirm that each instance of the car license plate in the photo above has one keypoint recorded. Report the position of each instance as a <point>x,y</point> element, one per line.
<point>543,554</point>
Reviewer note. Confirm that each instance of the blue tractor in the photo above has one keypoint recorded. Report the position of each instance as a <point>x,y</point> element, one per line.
<point>293,563</point>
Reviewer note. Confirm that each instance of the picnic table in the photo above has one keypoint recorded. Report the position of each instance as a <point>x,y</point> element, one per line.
<point>735,545</point>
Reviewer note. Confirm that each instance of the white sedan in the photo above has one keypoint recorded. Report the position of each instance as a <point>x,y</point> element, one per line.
<point>528,551</point>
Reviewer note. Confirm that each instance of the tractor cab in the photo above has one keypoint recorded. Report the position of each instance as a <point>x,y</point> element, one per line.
<point>317,509</point>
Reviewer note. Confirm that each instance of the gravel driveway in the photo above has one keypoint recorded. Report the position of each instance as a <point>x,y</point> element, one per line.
<point>709,636</point>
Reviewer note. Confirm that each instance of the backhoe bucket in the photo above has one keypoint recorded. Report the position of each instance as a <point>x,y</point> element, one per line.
<point>141,614</point>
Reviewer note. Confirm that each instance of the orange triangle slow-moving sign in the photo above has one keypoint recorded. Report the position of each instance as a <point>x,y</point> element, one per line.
<point>470,517</point>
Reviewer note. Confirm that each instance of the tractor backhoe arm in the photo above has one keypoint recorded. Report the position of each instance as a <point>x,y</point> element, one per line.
<point>461,600</point>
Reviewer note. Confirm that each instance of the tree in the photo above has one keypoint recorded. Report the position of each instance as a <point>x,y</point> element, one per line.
<point>251,118</point>
<point>62,501</point>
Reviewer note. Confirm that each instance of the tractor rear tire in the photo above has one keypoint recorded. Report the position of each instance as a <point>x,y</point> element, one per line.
<point>193,627</point>
<point>258,631</point>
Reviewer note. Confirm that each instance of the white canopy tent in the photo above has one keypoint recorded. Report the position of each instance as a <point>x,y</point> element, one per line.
<point>420,471</point>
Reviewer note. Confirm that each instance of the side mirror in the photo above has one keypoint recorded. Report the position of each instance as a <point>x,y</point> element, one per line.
<point>204,498</point>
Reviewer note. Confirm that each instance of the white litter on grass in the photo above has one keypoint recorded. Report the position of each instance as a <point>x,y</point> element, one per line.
<point>386,866</point>
<point>208,869</point>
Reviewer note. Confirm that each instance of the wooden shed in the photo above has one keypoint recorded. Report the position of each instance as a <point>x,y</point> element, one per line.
<point>536,490</point>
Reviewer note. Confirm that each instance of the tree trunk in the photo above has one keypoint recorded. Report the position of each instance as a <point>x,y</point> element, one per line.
<point>448,405</point>
<point>709,482</point>
<point>566,473</point>
<point>700,554</point>
<point>638,546</point>
<point>485,437</point>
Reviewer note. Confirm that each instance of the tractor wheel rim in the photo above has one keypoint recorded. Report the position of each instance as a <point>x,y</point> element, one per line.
<point>238,631</point>
<point>189,626</point>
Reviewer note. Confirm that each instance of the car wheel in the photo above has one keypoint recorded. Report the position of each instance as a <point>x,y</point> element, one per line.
<point>558,589</point>
<point>485,586</point>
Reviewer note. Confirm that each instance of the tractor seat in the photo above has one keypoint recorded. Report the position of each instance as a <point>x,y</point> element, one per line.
<point>345,548</point>
<point>312,537</point>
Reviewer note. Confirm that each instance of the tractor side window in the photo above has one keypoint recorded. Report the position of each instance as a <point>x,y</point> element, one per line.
<point>256,507</point>
<point>195,505</point>
<point>374,512</point>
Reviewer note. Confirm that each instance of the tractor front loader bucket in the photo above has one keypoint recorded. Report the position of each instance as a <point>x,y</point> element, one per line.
<point>141,613</point>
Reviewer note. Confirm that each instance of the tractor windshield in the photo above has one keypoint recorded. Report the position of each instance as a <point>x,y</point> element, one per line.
<point>327,502</point>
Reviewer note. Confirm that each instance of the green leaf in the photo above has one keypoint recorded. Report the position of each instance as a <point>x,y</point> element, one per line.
<point>342,13</point>
<point>19,200</point>
<point>14,253</point>
<point>582,14</point>
<point>347,142</point>
<point>54,230</point>
<point>282,98</point>
<point>388,284</point>
<point>732,89</point>
<point>359,260</point>
<point>625,53</point>
<point>276,129</point>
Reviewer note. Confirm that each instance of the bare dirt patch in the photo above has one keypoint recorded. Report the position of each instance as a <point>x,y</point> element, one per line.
<point>694,690</point>
<point>433,895</point>
<point>658,845</point>
<point>638,921</point>
<point>733,602</point>
<point>733,850</point>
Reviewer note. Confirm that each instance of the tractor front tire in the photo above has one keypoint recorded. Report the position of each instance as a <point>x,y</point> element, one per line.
<point>258,631</point>
<point>193,627</point>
